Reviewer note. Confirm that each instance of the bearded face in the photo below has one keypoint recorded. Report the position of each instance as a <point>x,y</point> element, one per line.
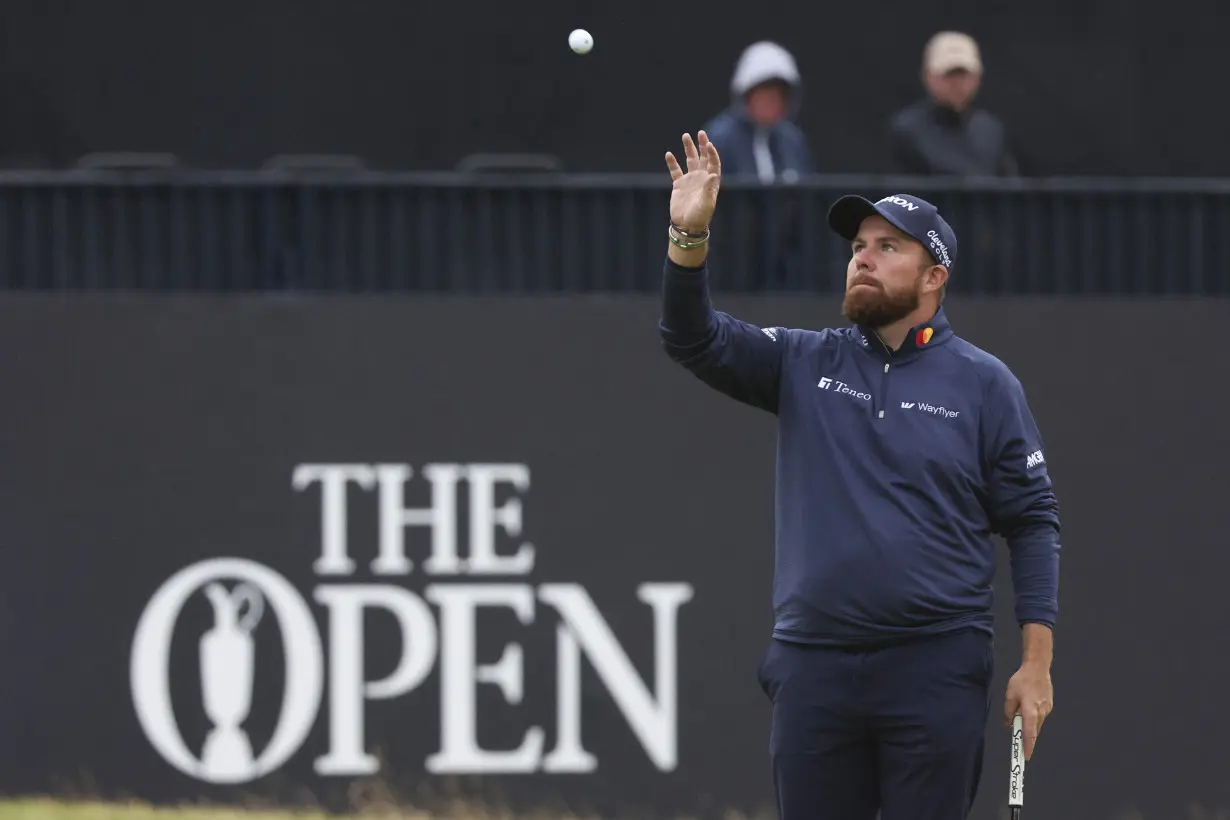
<point>887,275</point>
<point>873,303</point>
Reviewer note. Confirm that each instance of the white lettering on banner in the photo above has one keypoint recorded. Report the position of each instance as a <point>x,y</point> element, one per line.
<point>226,671</point>
<point>589,633</point>
<point>904,203</point>
<point>446,643</point>
<point>440,517</point>
<point>459,675</point>
<point>347,689</point>
<point>333,479</point>
<point>395,518</point>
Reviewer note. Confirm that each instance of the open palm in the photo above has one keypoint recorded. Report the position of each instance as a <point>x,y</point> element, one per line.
<point>694,197</point>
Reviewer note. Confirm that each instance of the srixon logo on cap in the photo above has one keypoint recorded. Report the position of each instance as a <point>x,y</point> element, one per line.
<point>904,203</point>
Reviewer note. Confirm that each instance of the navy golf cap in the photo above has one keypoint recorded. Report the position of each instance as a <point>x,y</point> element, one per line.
<point>916,217</point>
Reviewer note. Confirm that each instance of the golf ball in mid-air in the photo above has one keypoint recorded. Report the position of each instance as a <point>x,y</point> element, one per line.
<point>580,41</point>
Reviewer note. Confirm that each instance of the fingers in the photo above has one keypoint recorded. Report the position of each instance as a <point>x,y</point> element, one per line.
<point>672,165</point>
<point>703,158</point>
<point>713,163</point>
<point>689,150</point>
<point>1012,705</point>
<point>1031,722</point>
<point>1032,718</point>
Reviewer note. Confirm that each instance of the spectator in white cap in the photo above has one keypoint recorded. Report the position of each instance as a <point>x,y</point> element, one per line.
<point>757,134</point>
<point>945,133</point>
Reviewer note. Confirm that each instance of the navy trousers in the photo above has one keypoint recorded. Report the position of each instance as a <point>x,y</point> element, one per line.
<point>897,730</point>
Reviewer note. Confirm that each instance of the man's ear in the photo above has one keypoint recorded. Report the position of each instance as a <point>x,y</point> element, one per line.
<point>937,279</point>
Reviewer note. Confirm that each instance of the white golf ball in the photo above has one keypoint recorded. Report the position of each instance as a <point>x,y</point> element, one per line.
<point>580,41</point>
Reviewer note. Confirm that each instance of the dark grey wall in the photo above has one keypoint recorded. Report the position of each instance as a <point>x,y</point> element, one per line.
<point>1087,87</point>
<point>141,435</point>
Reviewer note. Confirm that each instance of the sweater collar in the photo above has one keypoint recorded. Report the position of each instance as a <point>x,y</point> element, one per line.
<point>921,337</point>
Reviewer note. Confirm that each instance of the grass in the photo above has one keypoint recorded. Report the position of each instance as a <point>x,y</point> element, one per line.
<point>45,808</point>
<point>55,809</point>
<point>51,809</point>
<point>48,809</point>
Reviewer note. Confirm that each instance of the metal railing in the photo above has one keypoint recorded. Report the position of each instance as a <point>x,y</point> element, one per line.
<point>545,232</point>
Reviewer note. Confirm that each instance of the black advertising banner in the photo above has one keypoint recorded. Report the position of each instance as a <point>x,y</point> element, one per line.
<point>300,548</point>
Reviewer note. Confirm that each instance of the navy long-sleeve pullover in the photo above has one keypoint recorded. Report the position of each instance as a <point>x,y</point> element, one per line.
<point>894,470</point>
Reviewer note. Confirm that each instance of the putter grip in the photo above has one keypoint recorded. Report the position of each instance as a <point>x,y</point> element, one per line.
<point>1016,782</point>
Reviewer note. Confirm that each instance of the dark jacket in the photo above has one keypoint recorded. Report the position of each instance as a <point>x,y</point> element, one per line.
<point>894,469</point>
<point>928,138</point>
<point>734,134</point>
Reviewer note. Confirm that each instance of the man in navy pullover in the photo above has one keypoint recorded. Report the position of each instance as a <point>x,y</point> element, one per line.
<point>902,449</point>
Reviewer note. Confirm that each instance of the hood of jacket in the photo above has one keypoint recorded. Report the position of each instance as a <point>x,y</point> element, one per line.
<point>761,62</point>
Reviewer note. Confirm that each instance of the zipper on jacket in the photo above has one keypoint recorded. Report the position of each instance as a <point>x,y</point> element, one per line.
<point>883,391</point>
<point>888,354</point>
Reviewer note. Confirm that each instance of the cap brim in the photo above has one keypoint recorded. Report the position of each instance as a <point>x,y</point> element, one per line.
<point>944,65</point>
<point>847,214</point>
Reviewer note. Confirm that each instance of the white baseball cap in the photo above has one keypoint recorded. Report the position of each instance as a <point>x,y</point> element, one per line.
<point>950,50</point>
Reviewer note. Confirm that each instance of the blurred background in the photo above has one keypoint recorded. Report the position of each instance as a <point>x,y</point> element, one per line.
<point>342,467</point>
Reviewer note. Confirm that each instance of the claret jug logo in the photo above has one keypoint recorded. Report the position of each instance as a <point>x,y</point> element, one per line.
<point>439,629</point>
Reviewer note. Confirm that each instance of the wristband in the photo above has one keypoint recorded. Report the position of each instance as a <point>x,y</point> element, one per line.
<point>679,238</point>
<point>703,234</point>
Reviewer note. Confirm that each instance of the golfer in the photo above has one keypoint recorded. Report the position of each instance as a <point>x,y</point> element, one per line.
<point>902,449</point>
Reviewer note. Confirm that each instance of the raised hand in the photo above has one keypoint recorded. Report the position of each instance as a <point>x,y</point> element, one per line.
<point>694,197</point>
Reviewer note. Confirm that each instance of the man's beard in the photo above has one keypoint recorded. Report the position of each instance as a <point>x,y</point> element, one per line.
<point>876,307</point>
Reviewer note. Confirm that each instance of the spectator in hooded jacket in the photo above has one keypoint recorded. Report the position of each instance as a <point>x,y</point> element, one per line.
<point>757,134</point>
<point>761,143</point>
<point>945,133</point>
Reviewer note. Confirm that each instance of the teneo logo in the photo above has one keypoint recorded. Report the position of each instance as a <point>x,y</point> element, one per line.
<point>842,387</point>
<point>1034,459</point>
<point>939,248</point>
<point>263,599</point>
<point>904,203</point>
<point>943,412</point>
